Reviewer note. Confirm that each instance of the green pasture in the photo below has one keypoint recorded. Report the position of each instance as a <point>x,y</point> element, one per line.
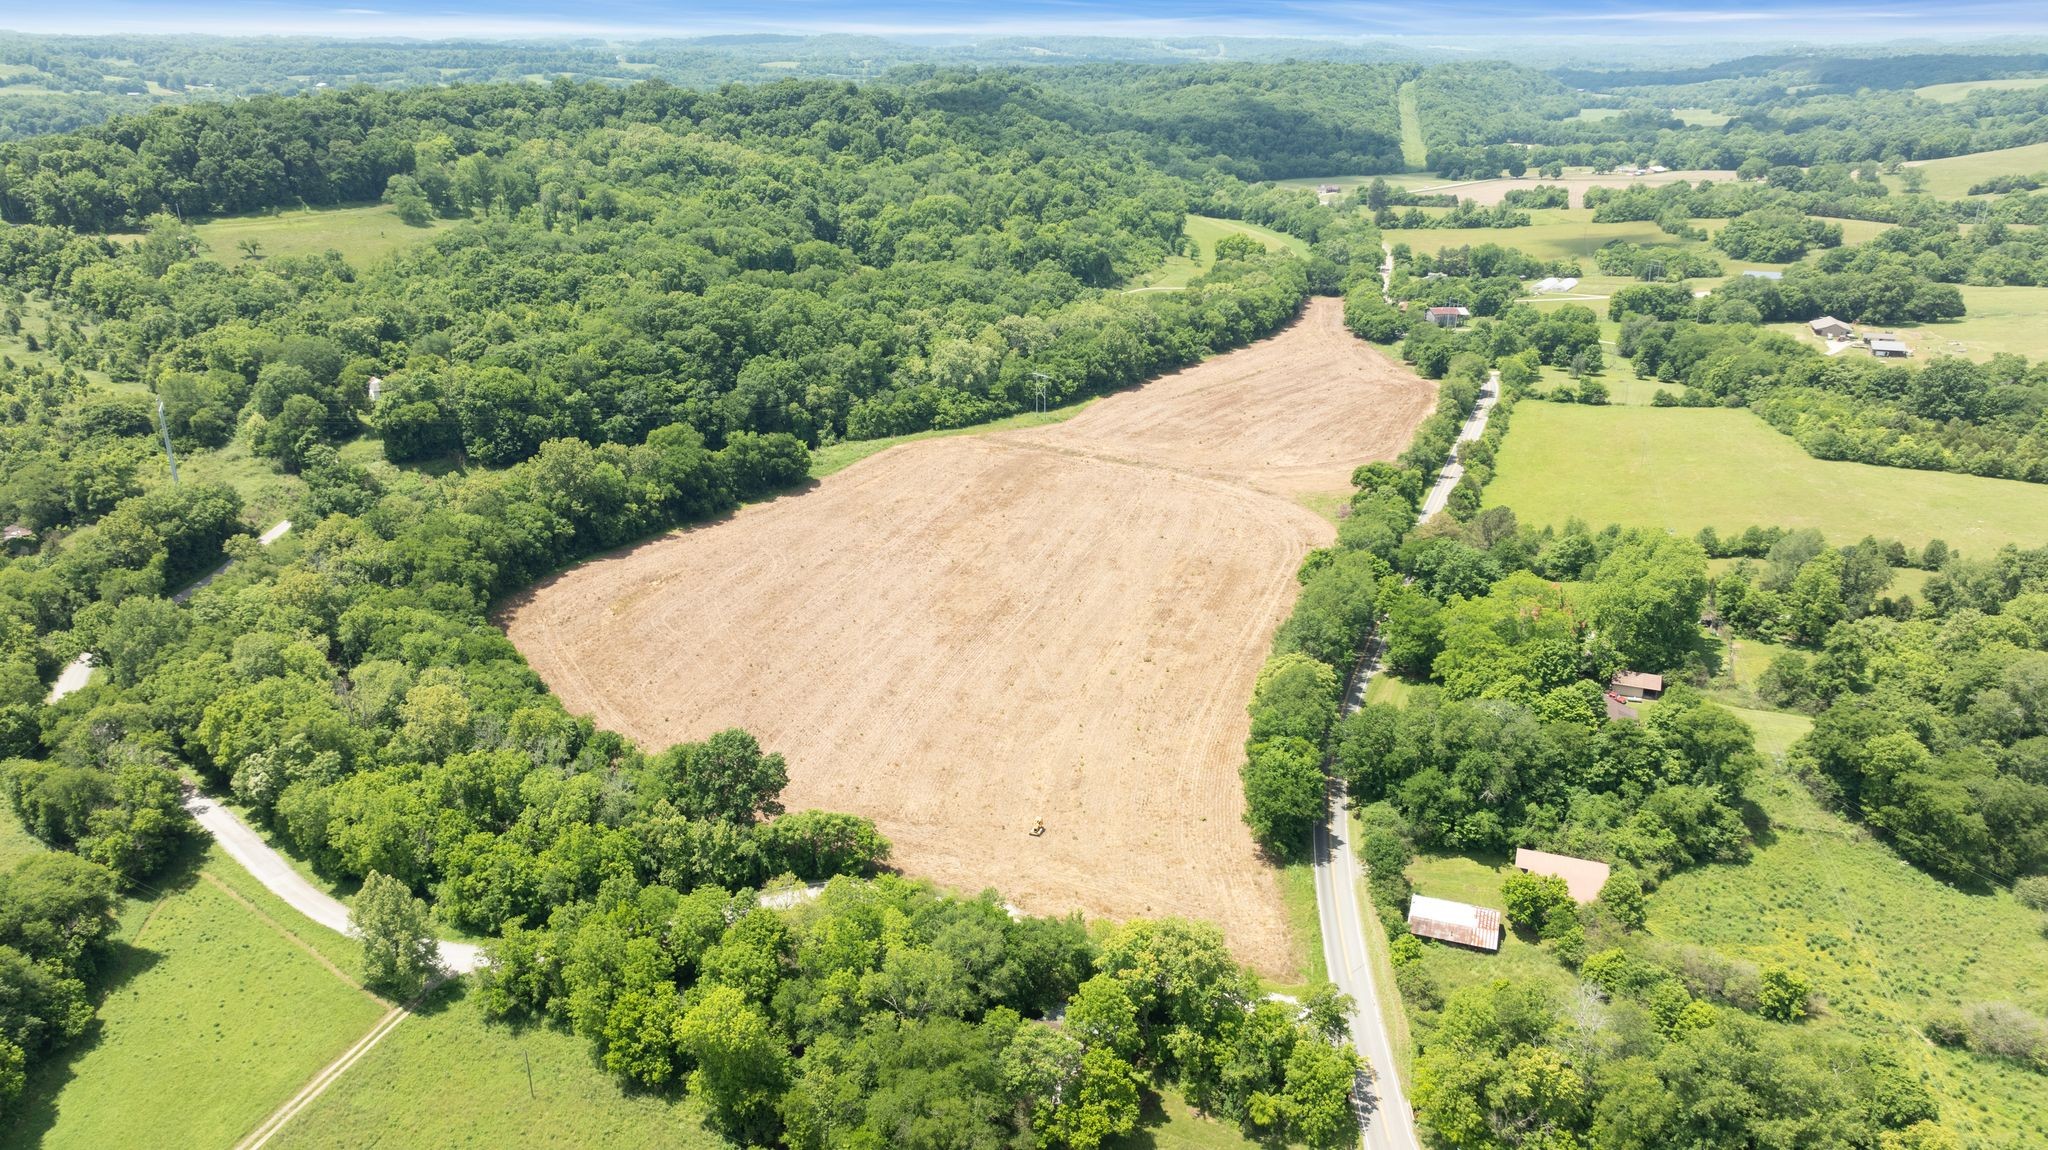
<point>362,235</point>
<point>1955,93</point>
<point>1623,386</point>
<point>1178,271</point>
<point>2011,319</point>
<point>15,841</point>
<point>1883,942</point>
<point>447,1078</point>
<point>212,1018</point>
<point>1953,176</point>
<point>1701,117</point>
<point>1554,233</point>
<point>1687,468</point>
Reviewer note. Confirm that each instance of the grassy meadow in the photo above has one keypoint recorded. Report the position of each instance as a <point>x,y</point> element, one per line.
<point>1178,271</point>
<point>1953,176</point>
<point>1884,943</point>
<point>15,842</point>
<point>2012,319</point>
<point>213,1015</point>
<point>1683,469</point>
<point>1701,117</point>
<point>447,1078</point>
<point>1956,92</point>
<point>362,235</point>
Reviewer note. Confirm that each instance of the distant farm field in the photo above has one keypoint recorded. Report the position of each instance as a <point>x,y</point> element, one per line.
<point>961,636</point>
<point>1683,469</point>
<point>1953,176</point>
<point>2010,319</point>
<point>1955,93</point>
<point>362,235</point>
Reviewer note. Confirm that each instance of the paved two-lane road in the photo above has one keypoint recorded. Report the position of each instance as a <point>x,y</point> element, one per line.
<point>1385,1121</point>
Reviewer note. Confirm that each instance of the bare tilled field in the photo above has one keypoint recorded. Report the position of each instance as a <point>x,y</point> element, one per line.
<point>960,636</point>
<point>1293,414</point>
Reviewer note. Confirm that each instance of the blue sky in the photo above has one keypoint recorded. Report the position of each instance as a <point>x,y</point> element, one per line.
<point>1814,21</point>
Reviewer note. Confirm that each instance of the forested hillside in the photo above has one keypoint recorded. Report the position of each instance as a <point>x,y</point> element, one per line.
<point>600,309</point>
<point>656,302</point>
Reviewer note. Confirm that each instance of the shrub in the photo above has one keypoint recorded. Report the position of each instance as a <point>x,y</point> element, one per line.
<point>1782,994</point>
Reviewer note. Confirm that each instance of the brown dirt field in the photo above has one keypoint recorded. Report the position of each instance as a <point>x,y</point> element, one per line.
<point>958,636</point>
<point>1291,415</point>
<point>1488,193</point>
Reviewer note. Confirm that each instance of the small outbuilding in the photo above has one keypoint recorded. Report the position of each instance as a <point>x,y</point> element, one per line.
<point>1887,347</point>
<point>1636,686</point>
<point>1454,922</point>
<point>1447,316</point>
<point>1828,327</point>
<point>17,538</point>
<point>375,386</point>
<point>1583,877</point>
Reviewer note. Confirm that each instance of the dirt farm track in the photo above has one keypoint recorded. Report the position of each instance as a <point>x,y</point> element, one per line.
<point>959,636</point>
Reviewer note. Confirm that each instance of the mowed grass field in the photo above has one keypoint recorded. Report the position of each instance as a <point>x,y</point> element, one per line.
<point>213,1017</point>
<point>1955,93</point>
<point>1953,176</point>
<point>362,235</point>
<point>447,1078</point>
<point>1683,469</point>
<point>2012,319</point>
<point>1178,271</point>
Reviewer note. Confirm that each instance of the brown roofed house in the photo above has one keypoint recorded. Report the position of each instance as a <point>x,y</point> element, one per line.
<point>1458,922</point>
<point>1828,327</point>
<point>1583,877</point>
<point>1636,686</point>
<point>1447,316</point>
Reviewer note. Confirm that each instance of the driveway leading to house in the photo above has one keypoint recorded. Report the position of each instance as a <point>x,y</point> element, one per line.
<point>248,849</point>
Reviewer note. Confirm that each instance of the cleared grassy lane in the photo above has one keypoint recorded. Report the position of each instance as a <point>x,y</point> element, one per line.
<point>1414,152</point>
<point>1684,469</point>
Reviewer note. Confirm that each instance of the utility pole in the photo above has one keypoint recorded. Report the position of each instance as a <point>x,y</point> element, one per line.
<point>164,426</point>
<point>529,1073</point>
<point>1042,379</point>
